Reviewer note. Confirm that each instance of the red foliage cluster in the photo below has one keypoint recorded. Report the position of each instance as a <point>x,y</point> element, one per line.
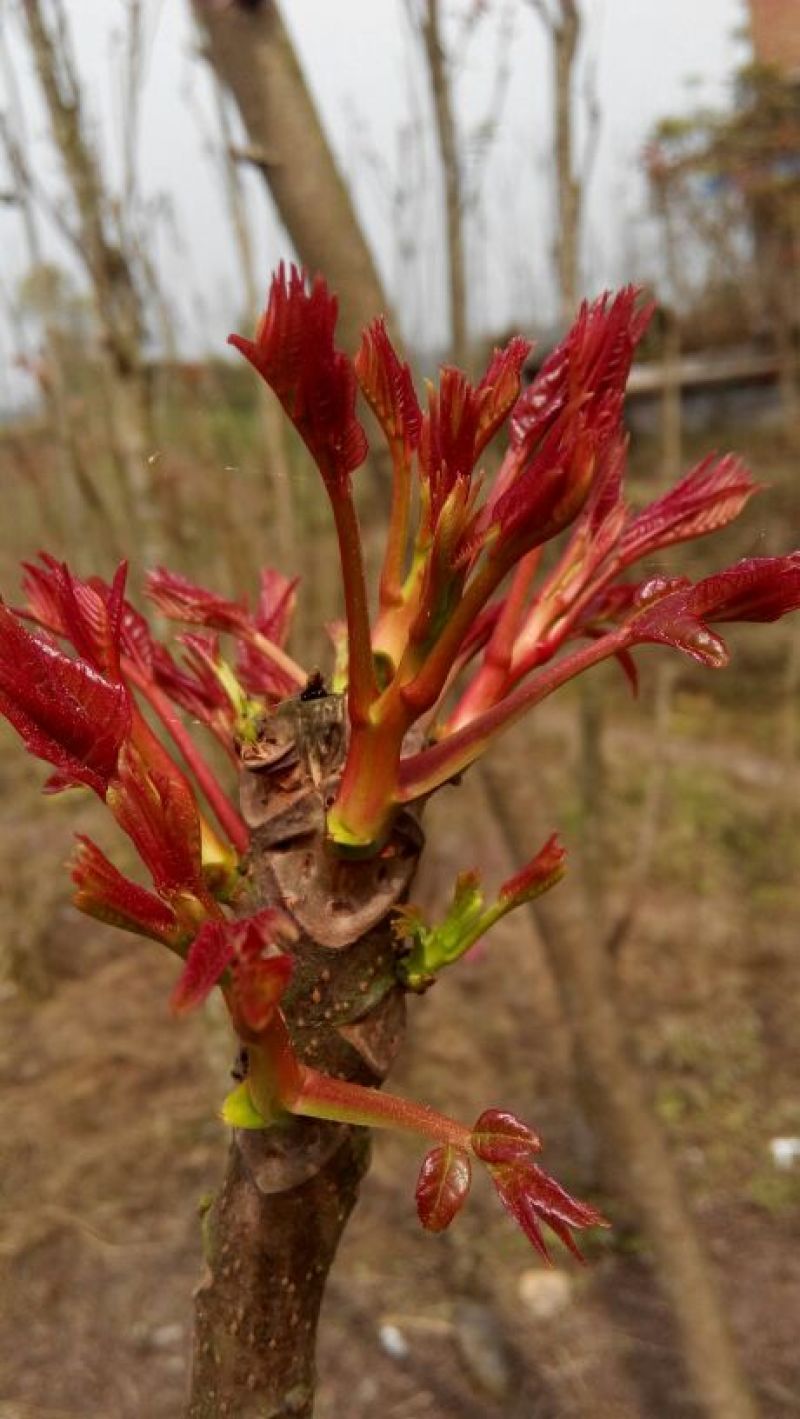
<point>475,626</point>
<point>443,605</point>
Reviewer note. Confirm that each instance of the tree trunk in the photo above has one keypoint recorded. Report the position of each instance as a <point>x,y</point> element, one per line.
<point>116,298</point>
<point>272,1233</point>
<point>277,470</point>
<point>451,171</point>
<point>268,1255</point>
<point>636,1160</point>
<point>565,44</point>
<point>251,51</point>
<point>671,401</point>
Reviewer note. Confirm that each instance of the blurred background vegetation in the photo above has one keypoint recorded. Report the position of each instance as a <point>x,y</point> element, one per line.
<point>645,1018</point>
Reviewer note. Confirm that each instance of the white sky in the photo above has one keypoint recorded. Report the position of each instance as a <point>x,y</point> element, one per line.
<point>651,57</point>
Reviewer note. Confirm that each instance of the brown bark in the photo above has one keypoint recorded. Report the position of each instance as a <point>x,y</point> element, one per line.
<point>278,472</point>
<point>272,1233</point>
<point>564,29</point>
<point>565,43</point>
<point>636,1160</point>
<point>447,140</point>
<point>252,53</point>
<point>114,290</point>
<point>268,1256</point>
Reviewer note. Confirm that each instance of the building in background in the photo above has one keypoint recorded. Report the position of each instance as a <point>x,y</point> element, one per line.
<point>775,29</point>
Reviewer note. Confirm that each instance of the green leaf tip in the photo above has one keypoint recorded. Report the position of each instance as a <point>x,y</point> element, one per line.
<point>239,1111</point>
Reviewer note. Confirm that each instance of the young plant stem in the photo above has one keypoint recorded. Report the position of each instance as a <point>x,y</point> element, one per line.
<point>392,573</point>
<point>273,652</point>
<point>491,681</point>
<point>319,1096</point>
<point>421,679</point>
<point>362,687</point>
<point>226,815</point>
<point>421,773</point>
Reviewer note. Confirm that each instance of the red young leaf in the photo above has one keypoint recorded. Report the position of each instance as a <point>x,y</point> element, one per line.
<point>276,602</point>
<point>448,437</point>
<point>498,390</point>
<point>258,987</point>
<point>534,1198</point>
<point>103,892</point>
<point>627,665</point>
<point>154,805</point>
<point>253,948</point>
<point>539,876</point>
<point>501,1137</point>
<point>137,642</point>
<point>257,671</point>
<point>706,499</point>
<point>88,615</point>
<point>592,362</point>
<point>194,685</point>
<point>665,616</point>
<point>443,1186</point>
<point>462,419</point>
<point>66,711</point>
<point>316,383</point>
<point>183,600</point>
<point>554,484</point>
<point>210,954</point>
<point>566,428</point>
<point>676,613</point>
<point>388,386</point>
<point>756,589</point>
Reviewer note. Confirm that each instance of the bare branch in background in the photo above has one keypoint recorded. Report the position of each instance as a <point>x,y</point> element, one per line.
<point>250,49</point>
<point>116,296</point>
<point>447,139</point>
<point>278,472</point>
<point>564,29</point>
<point>650,820</point>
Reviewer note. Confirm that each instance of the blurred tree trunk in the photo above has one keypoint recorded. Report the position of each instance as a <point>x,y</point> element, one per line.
<point>447,140</point>
<point>671,403</point>
<point>271,417</point>
<point>116,298</point>
<point>250,49</point>
<point>636,1159</point>
<point>564,30</point>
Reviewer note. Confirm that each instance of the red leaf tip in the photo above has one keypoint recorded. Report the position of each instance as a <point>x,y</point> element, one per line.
<point>294,352</point>
<point>501,1137</point>
<point>443,1186</point>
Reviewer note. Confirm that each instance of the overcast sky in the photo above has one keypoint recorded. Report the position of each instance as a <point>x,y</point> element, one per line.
<point>650,58</point>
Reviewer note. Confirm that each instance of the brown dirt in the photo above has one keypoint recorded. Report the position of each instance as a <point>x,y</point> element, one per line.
<point>109,1138</point>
